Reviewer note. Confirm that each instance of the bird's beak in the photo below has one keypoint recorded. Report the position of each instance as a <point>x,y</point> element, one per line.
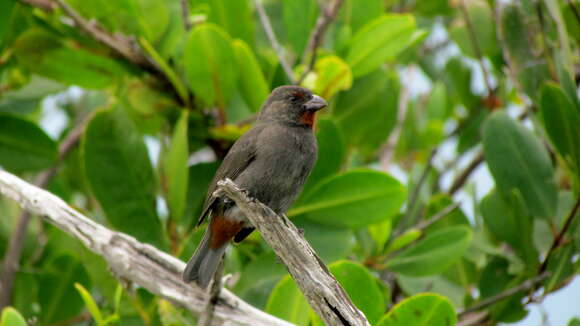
<point>316,103</point>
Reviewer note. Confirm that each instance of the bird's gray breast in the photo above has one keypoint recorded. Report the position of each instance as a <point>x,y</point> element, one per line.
<point>284,158</point>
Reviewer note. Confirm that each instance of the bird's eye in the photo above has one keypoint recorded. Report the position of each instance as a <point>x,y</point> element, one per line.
<point>297,97</point>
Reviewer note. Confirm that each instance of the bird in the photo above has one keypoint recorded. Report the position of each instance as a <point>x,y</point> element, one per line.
<point>270,162</point>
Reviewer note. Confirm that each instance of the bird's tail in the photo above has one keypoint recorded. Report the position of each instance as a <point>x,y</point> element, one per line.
<point>204,262</point>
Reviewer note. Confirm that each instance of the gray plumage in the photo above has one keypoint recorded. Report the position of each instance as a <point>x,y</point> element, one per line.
<point>271,161</point>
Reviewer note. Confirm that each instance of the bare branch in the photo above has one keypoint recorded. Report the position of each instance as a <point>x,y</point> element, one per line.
<point>320,288</point>
<point>324,19</point>
<point>206,318</point>
<point>274,41</point>
<point>460,180</point>
<point>185,14</point>
<point>14,251</point>
<point>476,48</point>
<point>132,260</point>
<point>124,46</point>
<point>527,285</point>
<point>437,217</point>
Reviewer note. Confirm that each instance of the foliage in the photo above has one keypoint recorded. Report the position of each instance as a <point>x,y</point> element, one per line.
<point>162,104</point>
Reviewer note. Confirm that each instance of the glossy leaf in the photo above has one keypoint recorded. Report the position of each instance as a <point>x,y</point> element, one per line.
<point>235,17</point>
<point>509,221</point>
<point>120,175</point>
<point>561,120</point>
<point>200,176</point>
<point>57,295</point>
<point>251,81</point>
<point>331,153</point>
<point>299,17</point>
<point>560,267</point>
<point>38,51</point>
<point>331,243</point>
<point>288,303</point>
<point>378,41</point>
<point>434,253</point>
<point>421,310</point>
<point>24,146</point>
<point>361,12</point>
<point>518,161</point>
<point>458,77</point>
<point>352,199</point>
<point>361,287</point>
<point>90,303</point>
<point>367,112</point>
<point>6,8</point>
<point>175,168</point>
<point>210,64</point>
<point>332,75</point>
<point>11,317</point>
<point>482,21</point>
<point>259,277</point>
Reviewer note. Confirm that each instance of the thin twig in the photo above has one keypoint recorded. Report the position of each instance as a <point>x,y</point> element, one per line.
<point>412,201</point>
<point>206,317</point>
<point>131,260</point>
<point>14,250</point>
<point>123,46</point>
<point>525,286</point>
<point>574,10</point>
<point>274,41</point>
<point>325,17</point>
<point>185,14</point>
<point>460,180</point>
<point>388,150</point>
<point>437,217</point>
<point>560,236</point>
<point>46,5</point>
<point>476,48</point>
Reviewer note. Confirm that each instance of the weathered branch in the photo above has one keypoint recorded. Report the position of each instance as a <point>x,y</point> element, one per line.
<point>132,260</point>
<point>324,19</point>
<point>265,21</point>
<point>320,288</point>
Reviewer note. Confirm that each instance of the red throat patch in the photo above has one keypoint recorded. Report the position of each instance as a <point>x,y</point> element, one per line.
<point>308,118</point>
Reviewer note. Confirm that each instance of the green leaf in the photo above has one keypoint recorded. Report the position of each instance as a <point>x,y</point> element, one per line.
<point>120,175</point>
<point>259,277</point>
<point>361,12</point>
<point>90,303</point>
<point>518,161</point>
<point>361,287</point>
<point>11,317</point>
<point>331,153</point>
<point>330,76</point>
<point>574,322</point>
<point>522,51</point>
<point>57,295</point>
<point>378,41</point>
<point>483,23</point>
<point>38,51</point>
<point>561,120</point>
<point>352,199</point>
<point>209,64</point>
<point>146,106</point>
<point>427,309</point>
<point>175,168</point>
<point>433,7</point>
<point>6,7</point>
<point>200,176</point>
<point>331,243</point>
<point>458,78</point>
<point>24,146</point>
<point>404,240</point>
<point>288,303</point>
<point>560,267</point>
<point>509,221</point>
<point>367,112</point>
<point>299,17</point>
<point>251,81</point>
<point>235,17</point>
<point>434,253</point>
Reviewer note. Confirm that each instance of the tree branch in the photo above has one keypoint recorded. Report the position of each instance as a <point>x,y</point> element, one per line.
<point>132,260</point>
<point>185,14</point>
<point>324,19</point>
<point>460,180</point>
<point>320,288</point>
<point>527,285</point>
<point>274,41</point>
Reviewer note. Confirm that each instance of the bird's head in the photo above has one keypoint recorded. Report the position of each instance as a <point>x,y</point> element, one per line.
<point>292,104</point>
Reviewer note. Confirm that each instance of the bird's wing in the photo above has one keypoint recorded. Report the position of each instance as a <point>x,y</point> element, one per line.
<point>240,156</point>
